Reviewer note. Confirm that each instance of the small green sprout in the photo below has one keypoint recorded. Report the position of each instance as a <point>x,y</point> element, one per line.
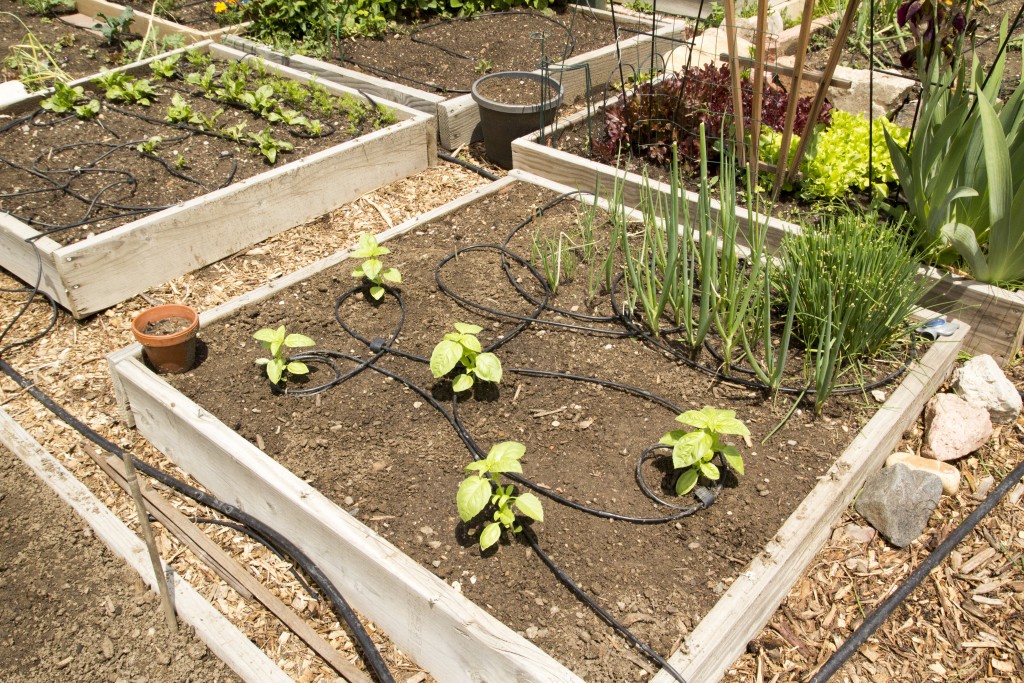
<point>132,91</point>
<point>268,145</point>
<point>373,268</point>
<point>261,101</point>
<point>180,110</point>
<point>150,145</point>
<point>204,80</point>
<point>235,132</point>
<point>63,98</point>
<point>276,341</point>
<point>463,347</point>
<point>484,66</point>
<point>288,117</point>
<point>475,492</point>
<point>180,162</point>
<point>165,68</point>
<point>692,451</point>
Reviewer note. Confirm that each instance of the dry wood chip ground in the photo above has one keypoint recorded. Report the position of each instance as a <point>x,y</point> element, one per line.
<point>966,623</point>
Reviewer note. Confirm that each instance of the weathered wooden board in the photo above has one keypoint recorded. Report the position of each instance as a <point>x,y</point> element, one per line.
<point>995,315</point>
<point>160,26</point>
<point>458,118</point>
<point>104,269</point>
<point>226,641</point>
<point>443,632</point>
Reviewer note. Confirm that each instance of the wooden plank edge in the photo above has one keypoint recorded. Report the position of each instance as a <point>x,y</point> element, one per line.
<point>219,634</point>
<point>437,626</point>
<point>721,637</point>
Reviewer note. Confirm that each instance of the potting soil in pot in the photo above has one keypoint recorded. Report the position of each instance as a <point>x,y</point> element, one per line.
<point>382,451</point>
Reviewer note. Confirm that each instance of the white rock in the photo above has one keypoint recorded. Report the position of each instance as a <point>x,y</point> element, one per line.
<point>890,91</point>
<point>981,382</point>
<point>949,475</point>
<point>954,428</point>
<point>747,26</point>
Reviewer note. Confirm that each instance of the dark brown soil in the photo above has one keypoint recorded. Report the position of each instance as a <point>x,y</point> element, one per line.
<point>382,452</point>
<point>81,178</point>
<point>515,90</point>
<point>194,14</point>
<point>77,51</point>
<point>487,44</point>
<point>72,611</point>
<point>166,326</point>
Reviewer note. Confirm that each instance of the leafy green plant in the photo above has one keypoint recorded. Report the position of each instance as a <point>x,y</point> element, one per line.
<point>693,451</point>
<point>63,98</point>
<point>268,145</point>
<point>235,132</point>
<point>641,6</point>
<point>483,487</point>
<point>205,79</point>
<point>34,63</point>
<point>484,66</point>
<point>115,30</point>
<point>233,89</point>
<point>132,91</point>
<point>111,79</point>
<point>165,68</point>
<point>372,268</point>
<point>963,177</point>
<point>88,110</point>
<point>180,110</point>
<point>288,117</point>
<point>180,162</point>
<point>204,121</point>
<point>200,60</point>
<point>276,341</point>
<point>463,348</point>
<point>261,101</point>
<point>555,258</point>
<point>150,145</point>
<point>717,15</point>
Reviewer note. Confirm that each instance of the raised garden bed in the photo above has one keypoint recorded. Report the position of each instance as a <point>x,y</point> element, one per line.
<point>458,118</point>
<point>995,315</point>
<point>195,206</point>
<point>364,476</point>
<point>193,32</point>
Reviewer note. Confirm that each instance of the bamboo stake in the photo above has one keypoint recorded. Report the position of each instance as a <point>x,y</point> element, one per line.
<point>794,92</point>
<point>819,96</point>
<point>734,69</point>
<point>759,59</point>
<point>147,534</point>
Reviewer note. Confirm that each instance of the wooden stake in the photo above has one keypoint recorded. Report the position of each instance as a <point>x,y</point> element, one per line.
<point>819,96</point>
<point>147,535</point>
<point>734,70</point>
<point>794,95</point>
<point>759,59</point>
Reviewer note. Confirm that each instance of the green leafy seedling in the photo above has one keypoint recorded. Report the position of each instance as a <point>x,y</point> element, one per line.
<point>462,347</point>
<point>180,110</point>
<point>276,341</point>
<point>268,145</point>
<point>373,268</point>
<point>150,145</point>
<point>482,487</point>
<point>63,98</point>
<point>692,451</point>
<point>165,68</point>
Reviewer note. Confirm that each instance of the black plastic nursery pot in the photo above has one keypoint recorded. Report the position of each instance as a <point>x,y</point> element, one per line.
<point>502,123</point>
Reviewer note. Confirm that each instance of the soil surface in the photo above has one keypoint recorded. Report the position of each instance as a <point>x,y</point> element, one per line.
<point>194,14</point>
<point>166,326</point>
<point>76,51</point>
<point>448,56</point>
<point>72,611</point>
<point>515,90</point>
<point>381,451</point>
<point>75,178</point>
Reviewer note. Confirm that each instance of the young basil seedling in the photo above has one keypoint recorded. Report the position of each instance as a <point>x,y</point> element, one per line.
<point>463,347</point>
<point>475,492</point>
<point>373,268</point>
<point>692,451</point>
<point>276,341</point>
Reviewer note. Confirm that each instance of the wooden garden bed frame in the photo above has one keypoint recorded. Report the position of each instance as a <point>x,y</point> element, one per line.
<point>995,315</point>
<point>104,269</point>
<point>443,631</point>
<point>163,27</point>
<point>458,118</point>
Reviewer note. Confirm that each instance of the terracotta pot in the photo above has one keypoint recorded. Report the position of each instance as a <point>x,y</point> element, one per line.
<point>168,353</point>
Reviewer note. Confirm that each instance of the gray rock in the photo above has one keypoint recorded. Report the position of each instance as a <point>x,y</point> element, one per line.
<point>981,382</point>
<point>889,91</point>
<point>953,427</point>
<point>898,501</point>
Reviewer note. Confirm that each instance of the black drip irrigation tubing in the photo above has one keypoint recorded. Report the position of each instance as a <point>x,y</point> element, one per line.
<point>879,616</point>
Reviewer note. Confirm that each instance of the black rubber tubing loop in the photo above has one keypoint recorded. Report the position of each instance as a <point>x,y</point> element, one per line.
<point>882,612</point>
<point>369,650</point>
